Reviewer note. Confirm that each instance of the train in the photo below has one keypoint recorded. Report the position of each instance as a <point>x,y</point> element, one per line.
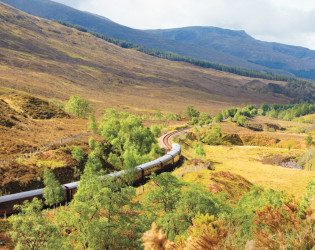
<point>170,159</point>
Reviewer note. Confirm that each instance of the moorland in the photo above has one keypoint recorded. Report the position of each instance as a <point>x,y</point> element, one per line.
<point>245,180</point>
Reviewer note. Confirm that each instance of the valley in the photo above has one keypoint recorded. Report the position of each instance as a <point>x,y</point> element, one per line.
<point>81,111</point>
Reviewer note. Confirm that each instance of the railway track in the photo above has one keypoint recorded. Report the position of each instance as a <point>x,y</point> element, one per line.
<point>165,139</point>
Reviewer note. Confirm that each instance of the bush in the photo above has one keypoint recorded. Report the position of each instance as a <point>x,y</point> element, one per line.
<point>77,106</point>
<point>192,112</point>
<point>213,136</point>
<point>218,118</point>
<point>78,154</point>
<point>92,143</point>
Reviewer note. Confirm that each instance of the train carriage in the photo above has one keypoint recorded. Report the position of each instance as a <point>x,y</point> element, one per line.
<point>170,159</point>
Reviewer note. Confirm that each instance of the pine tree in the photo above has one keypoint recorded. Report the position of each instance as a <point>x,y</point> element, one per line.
<point>31,230</point>
<point>78,154</point>
<point>92,123</point>
<point>53,192</point>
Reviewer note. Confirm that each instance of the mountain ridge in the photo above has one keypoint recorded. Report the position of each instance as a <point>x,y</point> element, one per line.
<point>293,59</point>
<point>52,10</point>
<point>50,60</point>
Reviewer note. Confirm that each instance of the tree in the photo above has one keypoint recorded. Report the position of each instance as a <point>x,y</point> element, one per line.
<point>308,158</point>
<point>103,215</point>
<point>309,140</point>
<point>78,154</point>
<point>192,201</point>
<point>93,162</point>
<point>199,150</point>
<point>166,192</point>
<point>31,230</point>
<point>126,132</point>
<point>155,129</point>
<point>158,115</point>
<point>92,123</point>
<point>241,120</point>
<point>92,143</point>
<point>206,118</point>
<point>192,112</point>
<point>78,106</point>
<point>53,192</point>
<point>218,118</point>
<point>213,136</point>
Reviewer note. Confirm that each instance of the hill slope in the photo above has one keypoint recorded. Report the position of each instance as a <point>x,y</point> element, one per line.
<point>296,60</point>
<point>52,10</point>
<point>52,61</point>
<point>235,48</point>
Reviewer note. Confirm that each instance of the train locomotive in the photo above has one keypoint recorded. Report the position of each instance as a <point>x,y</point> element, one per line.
<point>160,164</point>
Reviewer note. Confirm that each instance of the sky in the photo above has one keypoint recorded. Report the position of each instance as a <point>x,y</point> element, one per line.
<point>285,21</point>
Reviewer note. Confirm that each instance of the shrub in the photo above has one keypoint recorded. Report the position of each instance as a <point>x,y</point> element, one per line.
<point>78,154</point>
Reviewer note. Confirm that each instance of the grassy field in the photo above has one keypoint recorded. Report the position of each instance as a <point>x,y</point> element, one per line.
<point>256,163</point>
<point>246,161</point>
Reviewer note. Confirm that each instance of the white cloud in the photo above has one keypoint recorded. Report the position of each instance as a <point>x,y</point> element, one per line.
<point>286,21</point>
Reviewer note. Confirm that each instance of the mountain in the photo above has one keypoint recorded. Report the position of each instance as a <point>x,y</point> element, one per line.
<point>52,10</point>
<point>230,47</point>
<point>298,61</point>
<point>50,60</point>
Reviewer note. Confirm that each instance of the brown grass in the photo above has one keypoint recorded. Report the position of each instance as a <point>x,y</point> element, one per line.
<point>254,162</point>
<point>52,61</point>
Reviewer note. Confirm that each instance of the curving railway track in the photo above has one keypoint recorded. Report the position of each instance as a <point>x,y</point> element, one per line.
<point>164,140</point>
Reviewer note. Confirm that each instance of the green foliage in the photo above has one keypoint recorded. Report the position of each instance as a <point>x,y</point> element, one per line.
<point>192,112</point>
<point>171,117</point>
<point>229,112</point>
<point>30,230</point>
<point>92,143</point>
<point>53,192</point>
<point>56,103</point>
<point>92,123</point>
<point>301,130</point>
<point>93,163</point>
<point>198,149</point>
<point>194,121</point>
<point>127,135</point>
<point>218,118</point>
<point>213,136</point>
<point>78,154</point>
<point>110,113</point>
<point>309,140</point>
<point>257,198</point>
<point>241,120</point>
<point>306,200</point>
<point>206,118</point>
<point>307,159</point>
<point>166,193</point>
<point>287,112</point>
<point>77,106</point>
<point>156,129</point>
<point>158,115</point>
<point>103,215</point>
<point>192,201</point>
<point>114,160</point>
